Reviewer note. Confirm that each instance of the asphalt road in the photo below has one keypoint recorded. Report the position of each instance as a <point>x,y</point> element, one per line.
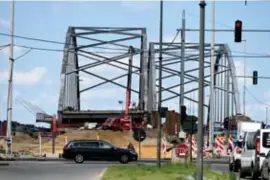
<point>33,170</point>
<point>50,171</point>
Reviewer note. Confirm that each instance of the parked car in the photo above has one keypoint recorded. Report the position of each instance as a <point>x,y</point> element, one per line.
<point>256,146</point>
<point>81,150</point>
<point>265,170</point>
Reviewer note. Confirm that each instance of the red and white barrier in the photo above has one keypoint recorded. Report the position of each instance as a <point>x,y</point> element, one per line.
<point>230,145</point>
<point>164,145</point>
<point>220,146</point>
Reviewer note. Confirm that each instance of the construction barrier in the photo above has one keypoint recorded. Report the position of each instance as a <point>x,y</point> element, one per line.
<point>220,146</point>
<point>206,150</point>
<point>220,149</point>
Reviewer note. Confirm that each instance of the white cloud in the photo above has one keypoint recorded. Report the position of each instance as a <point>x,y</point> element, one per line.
<point>25,77</point>
<point>4,24</point>
<point>17,51</point>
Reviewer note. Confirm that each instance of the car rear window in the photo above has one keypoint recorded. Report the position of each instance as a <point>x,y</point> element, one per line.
<point>266,139</point>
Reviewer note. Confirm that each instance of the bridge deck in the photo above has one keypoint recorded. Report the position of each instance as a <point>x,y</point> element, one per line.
<point>97,116</point>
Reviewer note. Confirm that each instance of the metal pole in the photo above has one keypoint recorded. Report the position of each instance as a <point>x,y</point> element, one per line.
<point>227,106</point>
<point>244,86</point>
<point>160,84</point>
<point>40,144</point>
<point>182,64</point>
<point>200,138</point>
<point>228,30</point>
<point>266,118</point>
<point>10,81</point>
<point>232,100</point>
<point>212,71</point>
<point>221,92</point>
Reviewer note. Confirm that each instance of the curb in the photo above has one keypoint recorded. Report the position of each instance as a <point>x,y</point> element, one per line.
<point>4,164</point>
<point>102,174</point>
<point>33,159</point>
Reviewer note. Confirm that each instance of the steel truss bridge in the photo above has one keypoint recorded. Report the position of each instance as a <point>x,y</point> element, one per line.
<point>102,52</point>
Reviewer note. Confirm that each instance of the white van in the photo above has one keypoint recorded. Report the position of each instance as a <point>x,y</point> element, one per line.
<point>255,145</point>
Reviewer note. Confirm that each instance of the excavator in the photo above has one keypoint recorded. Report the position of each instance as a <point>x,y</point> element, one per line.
<point>124,122</point>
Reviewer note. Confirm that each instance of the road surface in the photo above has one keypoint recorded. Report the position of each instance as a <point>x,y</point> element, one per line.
<point>33,170</point>
<point>50,171</point>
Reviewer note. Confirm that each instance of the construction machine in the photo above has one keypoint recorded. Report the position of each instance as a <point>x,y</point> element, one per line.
<point>124,122</point>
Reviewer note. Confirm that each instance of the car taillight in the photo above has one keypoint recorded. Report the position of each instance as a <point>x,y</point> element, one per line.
<point>66,148</point>
<point>238,150</point>
<point>257,146</point>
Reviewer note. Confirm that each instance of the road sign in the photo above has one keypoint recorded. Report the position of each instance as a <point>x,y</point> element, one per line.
<point>189,124</point>
<point>181,150</point>
<point>139,134</point>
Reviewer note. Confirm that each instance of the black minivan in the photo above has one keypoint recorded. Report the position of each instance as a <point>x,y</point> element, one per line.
<point>81,150</point>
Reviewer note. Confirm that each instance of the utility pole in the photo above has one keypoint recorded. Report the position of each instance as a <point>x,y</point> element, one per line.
<point>10,84</point>
<point>182,64</point>
<point>160,85</point>
<point>244,86</point>
<point>200,137</point>
<point>266,115</point>
<point>212,92</point>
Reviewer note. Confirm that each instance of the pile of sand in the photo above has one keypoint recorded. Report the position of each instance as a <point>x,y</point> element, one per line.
<point>23,142</point>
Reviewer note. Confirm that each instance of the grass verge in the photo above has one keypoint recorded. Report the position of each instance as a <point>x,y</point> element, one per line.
<point>166,172</point>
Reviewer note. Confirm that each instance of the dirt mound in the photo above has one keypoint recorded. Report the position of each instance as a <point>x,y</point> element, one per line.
<point>24,142</point>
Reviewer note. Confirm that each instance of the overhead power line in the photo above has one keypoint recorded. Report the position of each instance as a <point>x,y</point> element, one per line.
<point>254,97</point>
<point>259,55</point>
<point>52,41</point>
<point>106,52</point>
<point>216,22</point>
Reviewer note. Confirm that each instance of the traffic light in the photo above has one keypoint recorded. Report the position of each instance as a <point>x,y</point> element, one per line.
<point>226,123</point>
<point>255,77</point>
<point>238,31</point>
<point>183,113</point>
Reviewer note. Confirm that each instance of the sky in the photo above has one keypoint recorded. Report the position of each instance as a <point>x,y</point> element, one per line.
<point>37,74</point>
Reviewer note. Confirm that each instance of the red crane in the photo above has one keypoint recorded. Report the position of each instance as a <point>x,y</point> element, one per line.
<point>123,122</point>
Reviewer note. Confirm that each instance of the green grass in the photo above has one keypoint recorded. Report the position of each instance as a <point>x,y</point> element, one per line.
<point>166,172</point>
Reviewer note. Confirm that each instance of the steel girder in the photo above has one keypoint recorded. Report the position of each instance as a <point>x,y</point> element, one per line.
<point>71,69</point>
<point>226,88</point>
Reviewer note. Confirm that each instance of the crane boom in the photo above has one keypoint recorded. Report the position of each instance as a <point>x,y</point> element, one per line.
<point>129,78</point>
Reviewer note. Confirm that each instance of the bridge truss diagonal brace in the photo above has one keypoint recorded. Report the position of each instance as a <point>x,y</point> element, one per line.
<point>70,87</point>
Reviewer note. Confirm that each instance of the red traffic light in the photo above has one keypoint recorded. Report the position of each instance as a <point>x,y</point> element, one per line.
<point>238,24</point>
<point>238,31</point>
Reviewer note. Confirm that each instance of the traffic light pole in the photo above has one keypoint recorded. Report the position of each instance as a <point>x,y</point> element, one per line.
<point>212,92</point>
<point>228,30</point>
<point>259,77</point>
<point>10,85</point>
<point>200,137</point>
<point>160,85</point>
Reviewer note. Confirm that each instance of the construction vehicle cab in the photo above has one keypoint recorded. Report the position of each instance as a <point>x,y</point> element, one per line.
<point>119,123</point>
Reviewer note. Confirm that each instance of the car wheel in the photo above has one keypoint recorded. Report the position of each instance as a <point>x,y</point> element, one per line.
<point>262,177</point>
<point>231,167</point>
<point>79,158</point>
<point>236,166</point>
<point>254,175</point>
<point>241,174</point>
<point>124,159</point>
